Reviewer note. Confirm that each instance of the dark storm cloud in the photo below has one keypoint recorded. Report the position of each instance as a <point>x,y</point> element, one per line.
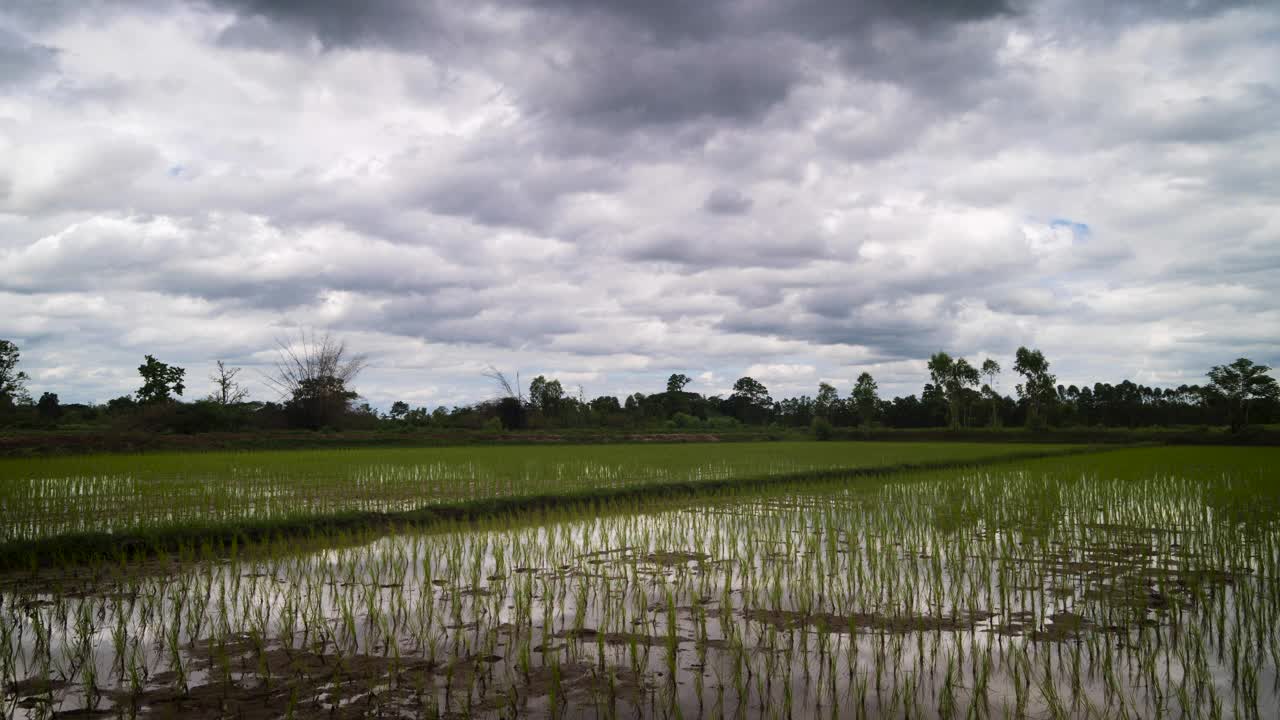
<point>509,181</point>
<point>397,23</point>
<point>502,327</point>
<point>638,65</point>
<point>22,60</point>
<point>679,18</point>
<point>727,201</point>
<point>1113,12</point>
<point>664,19</point>
<point>887,329</point>
<point>623,85</point>
<point>953,67</point>
<point>402,24</point>
<point>727,249</point>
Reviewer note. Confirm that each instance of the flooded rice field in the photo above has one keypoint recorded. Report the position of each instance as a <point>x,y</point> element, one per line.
<point>48,497</point>
<point>1089,587</point>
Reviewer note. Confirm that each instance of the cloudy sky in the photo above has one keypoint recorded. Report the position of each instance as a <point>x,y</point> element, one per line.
<point>610,191</point>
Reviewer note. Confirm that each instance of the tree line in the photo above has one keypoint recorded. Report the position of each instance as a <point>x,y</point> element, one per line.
<point>314,377</point>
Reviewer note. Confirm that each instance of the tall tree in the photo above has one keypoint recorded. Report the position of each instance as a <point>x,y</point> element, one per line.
<point>952,376</point>
<point>13,382</point>
<point>546,395</point>
<point>1240,382</point>
<point>750,400</point>
<point>865,398</point>
<point>399,409</point>
<point>226,389</point>
<point>677,381</point>
<point>160,381</point>
<point>1038,386</point>
<point>606,405</point>
<point>48,406</point>
<point>824,405</point>
<point>990,370</point>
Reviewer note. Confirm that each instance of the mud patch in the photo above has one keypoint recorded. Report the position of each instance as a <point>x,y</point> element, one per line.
<point>868,622</point>
<point>675,558</point>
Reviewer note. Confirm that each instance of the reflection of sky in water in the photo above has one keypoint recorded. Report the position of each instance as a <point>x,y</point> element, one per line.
<point>1142,581</point>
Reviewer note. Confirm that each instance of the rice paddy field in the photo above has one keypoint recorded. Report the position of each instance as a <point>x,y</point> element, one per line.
<point>49,497</point>
<point>1137,583</point>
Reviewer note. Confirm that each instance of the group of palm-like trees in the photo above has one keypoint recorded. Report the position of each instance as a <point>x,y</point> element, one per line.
<point>953,376</point>
<point>1239,384</point>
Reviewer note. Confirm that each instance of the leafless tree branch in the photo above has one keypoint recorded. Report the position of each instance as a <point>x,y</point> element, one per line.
<point>310,359</point>
<point>504,385</point>
<point>226,390</point>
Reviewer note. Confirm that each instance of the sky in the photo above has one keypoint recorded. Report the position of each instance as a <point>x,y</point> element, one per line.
<point>608,191</point>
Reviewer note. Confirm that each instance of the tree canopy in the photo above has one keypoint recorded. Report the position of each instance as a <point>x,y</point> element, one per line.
<point>865,398</point>
<point>952,376</point>
<point>160,381</point>
<point>676,382</point>
<point>1239,383</point>
<point>750,400</point>
<point>1037,387</point>
<point>546,396</point>
<point>13,382</point>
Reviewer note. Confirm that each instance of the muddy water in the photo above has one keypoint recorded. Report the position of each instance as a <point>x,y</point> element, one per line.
<point>978,595</point>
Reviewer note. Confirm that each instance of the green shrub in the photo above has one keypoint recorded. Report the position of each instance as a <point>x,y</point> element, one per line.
<point>685,421</point>
<point>822,429</point>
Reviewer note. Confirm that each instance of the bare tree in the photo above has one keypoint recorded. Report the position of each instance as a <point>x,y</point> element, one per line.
<point>510,403</point>
<point>227,391</point>
<point>311,359</point>
<point>314,375</point>
<point>504,386</point>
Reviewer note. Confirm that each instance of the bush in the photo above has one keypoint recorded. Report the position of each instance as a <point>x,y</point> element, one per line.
<point>165,416</point>
<point>492,425</point>
<point>186,418</point>
<point>686,421</point>
<point>822,429</point>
